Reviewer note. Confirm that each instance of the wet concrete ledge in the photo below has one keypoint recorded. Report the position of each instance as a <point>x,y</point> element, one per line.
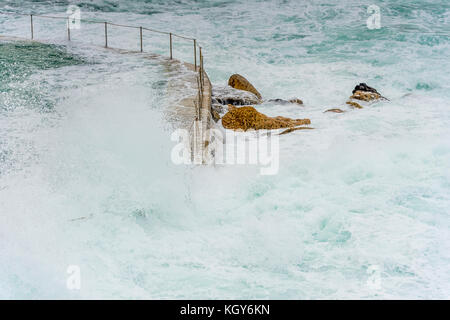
<point>183,87</point>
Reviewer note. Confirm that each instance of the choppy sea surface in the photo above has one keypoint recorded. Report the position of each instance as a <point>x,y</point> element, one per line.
<point>359,208</point>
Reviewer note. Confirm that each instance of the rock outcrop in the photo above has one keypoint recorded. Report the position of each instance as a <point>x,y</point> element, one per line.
<point>245,118</point>
<point>363,94</point>
<point>239,82</point>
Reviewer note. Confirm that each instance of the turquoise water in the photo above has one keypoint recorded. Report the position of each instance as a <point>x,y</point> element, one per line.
<point>82,137</point>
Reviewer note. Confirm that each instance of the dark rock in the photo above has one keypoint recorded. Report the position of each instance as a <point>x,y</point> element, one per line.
<point>363,92</point>
<point>365,88</point>
<point>228,95</point>
<point>291,101</point>
<point>279,101</point>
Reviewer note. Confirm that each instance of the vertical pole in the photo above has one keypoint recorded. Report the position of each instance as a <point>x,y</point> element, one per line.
<point>106,34</point>
<point>200,102</point>
<point>140,30</point>
<point>171,56</point>
<point>201,67</point>
<point>68,29</point>
<point>32,31</point>
<point>195,54</point>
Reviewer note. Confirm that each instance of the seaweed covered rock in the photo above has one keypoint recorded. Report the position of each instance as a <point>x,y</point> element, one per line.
<point>239,82</point>
<point>245,118</point>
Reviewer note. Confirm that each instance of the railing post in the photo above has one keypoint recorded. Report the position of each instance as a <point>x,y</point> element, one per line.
<point>201,67</point>
<point>142,47</point>
<point>32,31</point>
<point>68,29</point>
<point>106,34</point>
<point>195,54</point>
<point>171,56</point>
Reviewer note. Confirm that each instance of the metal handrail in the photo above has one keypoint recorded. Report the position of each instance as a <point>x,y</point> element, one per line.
<point>98,22</point>
<point>106,23</point>
<point>200,67</point>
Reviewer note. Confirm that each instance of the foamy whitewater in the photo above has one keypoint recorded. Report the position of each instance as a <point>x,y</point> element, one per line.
<point>359,208</point>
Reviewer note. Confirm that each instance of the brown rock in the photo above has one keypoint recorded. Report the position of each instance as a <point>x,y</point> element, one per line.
<point>354,104</point>
<point>297,101</point>
<point>365,95</point>
<point>336,110</point>
<point>239,82</point>
<point>247,117</point>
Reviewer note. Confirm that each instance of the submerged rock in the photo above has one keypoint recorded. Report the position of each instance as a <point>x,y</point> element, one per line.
<point>354,104</point>
<point>218,108</point>
<point>247,117</point>
<point>217,111</point>
<point>335,110</point>
<point>239,82</point>
<point>297,101</point>
<point>228,95</point>
<point>295,129</point>
<point>291,101</point>
<point>215,115</point>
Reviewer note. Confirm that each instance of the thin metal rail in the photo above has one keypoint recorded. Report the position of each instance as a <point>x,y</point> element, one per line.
<point>106,23</point>
<point>198,67</point>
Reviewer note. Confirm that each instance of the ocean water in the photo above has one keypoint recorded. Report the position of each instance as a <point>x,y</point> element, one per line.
<point>360,205</point>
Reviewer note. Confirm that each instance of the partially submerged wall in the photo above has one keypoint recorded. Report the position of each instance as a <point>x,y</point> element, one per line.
<point>192,111</point>
<point>189,109</point>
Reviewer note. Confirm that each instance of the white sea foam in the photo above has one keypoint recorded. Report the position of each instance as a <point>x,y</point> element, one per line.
<point>365,188</point>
